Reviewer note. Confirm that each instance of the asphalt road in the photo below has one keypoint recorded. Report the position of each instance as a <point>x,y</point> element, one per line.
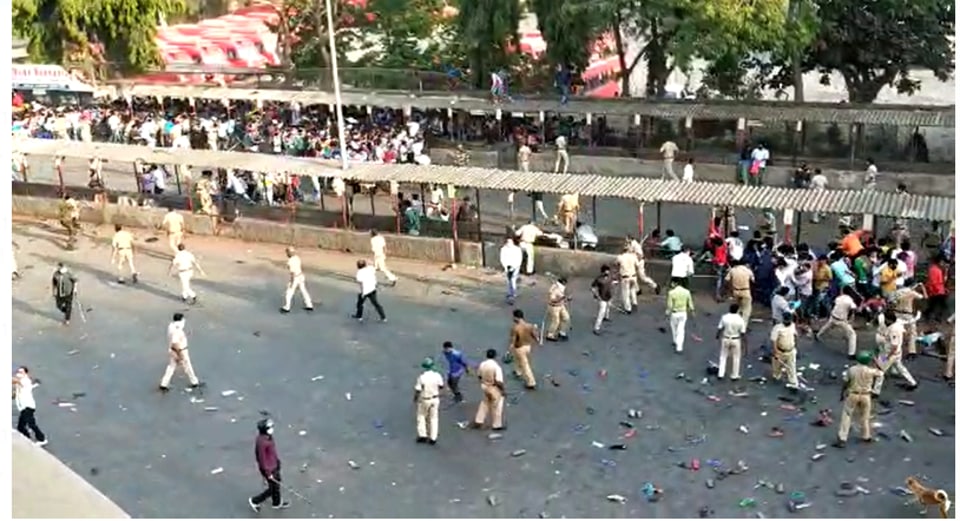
<point>341,392</point>
<point>614,217</point>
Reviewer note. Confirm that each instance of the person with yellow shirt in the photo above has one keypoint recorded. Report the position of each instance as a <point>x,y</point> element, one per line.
<point>889,274</point>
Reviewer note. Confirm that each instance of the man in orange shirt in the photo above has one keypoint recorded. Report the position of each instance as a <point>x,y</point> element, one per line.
<point>852,243</point>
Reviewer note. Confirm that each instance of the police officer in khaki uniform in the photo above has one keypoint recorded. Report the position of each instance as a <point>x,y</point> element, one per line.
<point>740,278</point>
<point>123,253</point>
<point>730,332</point>
<point>567,210</point>
<point>903,302</point>
<point>205,192</point>
<point>635,248</point>
<point>173,225</point>
<point>858,386</point>
<point>627,263</point>
<point>178,353</point>
<point>840,316</point>
<point>891,350</point>
<point>558,317</point>
<point>426,394</point>
<point>297,282</point>
<point>69,214</point>
<point>783,337</point>
<point>491,384</point>
<point>523,335</point>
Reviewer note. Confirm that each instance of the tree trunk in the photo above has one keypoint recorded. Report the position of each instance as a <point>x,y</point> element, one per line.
<point>621,56</point>
<point>657,70</point>
<point>860,90</point>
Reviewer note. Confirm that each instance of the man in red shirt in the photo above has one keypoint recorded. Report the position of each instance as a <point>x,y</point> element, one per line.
<point>719,264</point>
<point>936,287</point>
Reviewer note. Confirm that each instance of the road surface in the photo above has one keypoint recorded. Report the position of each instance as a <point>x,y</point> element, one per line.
<point>341,392</point>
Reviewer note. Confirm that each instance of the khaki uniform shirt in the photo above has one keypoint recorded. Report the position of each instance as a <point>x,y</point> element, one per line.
<point>859,379</point>
<point>557,295</point>
<point>490,372</point>
<point>628,264</point>
<point>903,301</point>
<point>740,278</point>
<point>522,334</point>
<point>569,203</point>
<point>122,240</point>
<point>669,149</point>
<point>173,222</point>
<point>429,384</point>
<point>784,338</point>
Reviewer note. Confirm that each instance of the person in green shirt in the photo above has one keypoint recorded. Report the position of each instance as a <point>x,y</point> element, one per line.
<point>862,270</point>
<point>679,305</point>
<point>411,219</point>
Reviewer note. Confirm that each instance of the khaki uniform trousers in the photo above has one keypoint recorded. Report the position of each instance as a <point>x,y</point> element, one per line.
<point>628,292</point>
<point>951,356</point>
<point>179,360</point>
<point>174,239</point>
<point>125,257</point>
<point>642,275</point>
<point>428,417</point>
<point>730,348</point>
<point>380,264</point>
<point>785,363</point>
<point>855,403</point>
<point>569,219</point>
<point>668,168</point>
<point>910,332</point>
<point>186,291</point>
<point>892,362</point>
<point>744,299</point>
<point>522,367</point>
<point>558,319</point>
<point>848,332</point>
<point>298,283</point>
<point>492,404</point>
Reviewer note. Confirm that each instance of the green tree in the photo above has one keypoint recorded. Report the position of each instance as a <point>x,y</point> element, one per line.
<point>124,31</point>
<point>876,44</point>
<point>487,30</point>
<point>569,30</point>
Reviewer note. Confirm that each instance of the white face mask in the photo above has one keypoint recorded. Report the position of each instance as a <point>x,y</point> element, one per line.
<point>270,431</point>
<point>63,269</point>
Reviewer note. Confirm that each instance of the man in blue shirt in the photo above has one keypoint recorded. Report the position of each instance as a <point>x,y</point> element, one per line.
<point>456,368</point>
<point>672,244</point>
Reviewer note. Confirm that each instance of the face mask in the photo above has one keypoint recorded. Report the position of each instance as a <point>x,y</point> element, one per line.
<point>270,431</point>
<point>63,269</point>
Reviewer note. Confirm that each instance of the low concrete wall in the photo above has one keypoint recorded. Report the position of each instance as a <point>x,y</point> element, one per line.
<point>918,183</point>
<point>572,263</point>
<point>255,230</point>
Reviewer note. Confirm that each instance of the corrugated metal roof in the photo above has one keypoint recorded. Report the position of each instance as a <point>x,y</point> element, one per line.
<point>770,111</point>
<point>887,204</point>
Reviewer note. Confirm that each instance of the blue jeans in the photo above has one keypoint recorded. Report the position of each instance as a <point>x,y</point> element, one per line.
<point>721,272</point>
<point>512,276</point>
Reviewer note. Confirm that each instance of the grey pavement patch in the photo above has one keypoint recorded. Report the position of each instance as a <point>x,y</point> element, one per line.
<point>137,428</point>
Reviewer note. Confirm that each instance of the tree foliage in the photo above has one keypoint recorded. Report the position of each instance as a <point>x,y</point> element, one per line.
<point>568,30</point>
<point>124,31</point>
<point>488,31</point>
<point>876,44</point>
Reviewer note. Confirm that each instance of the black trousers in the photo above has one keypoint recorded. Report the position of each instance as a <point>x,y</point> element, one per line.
<point>27,422</point>
<point>453,382</point>
<point>372,297</point>
<point>937,308</point>
<point>272,491</point>
<point>65,305</point>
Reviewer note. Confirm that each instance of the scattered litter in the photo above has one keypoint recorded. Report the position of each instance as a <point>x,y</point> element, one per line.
<point>794,507</point>
<point>352,464</point>
<point>66,404</point>
<point>821,446</point>
<point>711,483</point>
<point>302,433</point>
<point>348,396</point>
<point>316,378</point>
<point>463,424</point>
<point>635,414</point>
<point>494,436</point>
<point>518,453</point>
<point>211,409</point>
<point>696,338</point>
<point>747,502</point>
<point>626,425</point>
<point>619,446</point>
<point>743,429</point>
<point>216,470</point>
<point>780,488</point>
<point>72,352</point>
<point>901,491</point>
<point>905,436</point>
<point>598,445</point>
<point>817,456</point>
<point>936,432</point>
<point>492,500</point>
<point>78,395</point>
<point>617,498</point>
<point>776,432</point>
<point>908,403</point>
<point>228,393</point>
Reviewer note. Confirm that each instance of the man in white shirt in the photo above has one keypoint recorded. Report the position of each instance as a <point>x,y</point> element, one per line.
<point>840,316</point>
<point>681,267</point>
<point>378,245</point>
<point>734,247</point>
<point>528,235</point>
<point>562,156</point>
<point>870,176</point>
<point>669,151</point>
<point>426,394</point>
<point>183,264</point>
<point>178,353</point>
<point>367,279</point>
<point>688,171</point>
<point>297,282</point>
<point>891,351</point>
<point>730,332</point>
<point>27,405</point>
<point>511,258</point>
<point>761,155</point>
<point>817,182</point>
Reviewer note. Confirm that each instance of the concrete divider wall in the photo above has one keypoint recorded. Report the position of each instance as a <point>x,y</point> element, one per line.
<point>254,230</point>
<point>918,183</point>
